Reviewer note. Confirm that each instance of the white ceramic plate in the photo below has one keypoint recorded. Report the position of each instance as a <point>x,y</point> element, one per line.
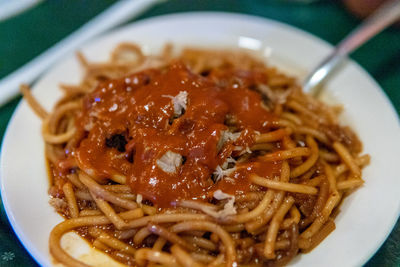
<point>367,216</point>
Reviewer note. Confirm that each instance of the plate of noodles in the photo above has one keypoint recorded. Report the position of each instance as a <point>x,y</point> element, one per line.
<point>185,140</point>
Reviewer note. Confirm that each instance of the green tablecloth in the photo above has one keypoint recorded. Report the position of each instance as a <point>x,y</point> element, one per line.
<point>27,35</point>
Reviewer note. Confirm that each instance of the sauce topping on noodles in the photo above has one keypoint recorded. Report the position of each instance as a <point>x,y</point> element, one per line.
<point>266,164</point>
<point>168,131</point>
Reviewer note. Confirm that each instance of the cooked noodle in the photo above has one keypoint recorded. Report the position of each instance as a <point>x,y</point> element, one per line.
<point>273,194</point>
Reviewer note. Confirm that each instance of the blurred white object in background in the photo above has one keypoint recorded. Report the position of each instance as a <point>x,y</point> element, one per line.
<point>117,14</point>
<point>9,8</point>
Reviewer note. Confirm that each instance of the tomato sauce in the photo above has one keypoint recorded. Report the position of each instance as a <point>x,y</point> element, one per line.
<point>128,125</point>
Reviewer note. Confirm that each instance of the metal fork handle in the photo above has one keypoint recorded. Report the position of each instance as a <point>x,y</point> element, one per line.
<point>384,16</point>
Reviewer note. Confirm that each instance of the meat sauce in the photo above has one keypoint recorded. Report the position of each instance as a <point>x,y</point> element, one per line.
<point>128,125</point>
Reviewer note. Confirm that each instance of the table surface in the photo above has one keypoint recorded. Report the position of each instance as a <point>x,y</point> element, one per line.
<point>27,35</point>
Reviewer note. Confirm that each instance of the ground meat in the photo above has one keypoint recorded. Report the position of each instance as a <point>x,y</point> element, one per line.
<point>117,141</point>
<point>343,135</point>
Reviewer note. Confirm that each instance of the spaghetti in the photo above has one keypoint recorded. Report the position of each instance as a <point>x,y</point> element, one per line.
<point>205,158</point>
